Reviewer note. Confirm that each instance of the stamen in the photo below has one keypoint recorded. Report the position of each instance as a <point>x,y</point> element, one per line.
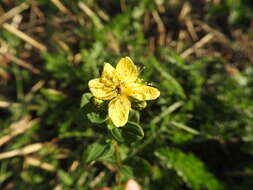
<point>140,69</point>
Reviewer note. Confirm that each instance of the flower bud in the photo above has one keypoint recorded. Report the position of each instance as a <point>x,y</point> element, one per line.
<point>99,104</point>
<point>139,105</point>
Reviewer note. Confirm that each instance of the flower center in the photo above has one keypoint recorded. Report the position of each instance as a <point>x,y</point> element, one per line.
<point>121,88</point>
<point>118,89</point>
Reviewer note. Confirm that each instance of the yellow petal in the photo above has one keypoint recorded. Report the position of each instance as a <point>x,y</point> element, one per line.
<point>143,92</point>
<point>126,70</point>
<point>119,109</point>
<point>101,91</point>
<point>109,76</point>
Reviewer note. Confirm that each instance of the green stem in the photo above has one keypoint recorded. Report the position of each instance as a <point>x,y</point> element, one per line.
<point>118,162</point>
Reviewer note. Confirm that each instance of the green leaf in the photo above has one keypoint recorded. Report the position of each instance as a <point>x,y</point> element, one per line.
<point>117,134</point>
<point>89,115</point>
<point>170,82</point>
<point>134,116</point>
<point>189,168</point>
<point>29,176</point>
<point>95,151</point>
<point>109,153</point>
<point>52,94</point>
<point>126,172</point>
<point>65,177</point>
<point>96,117</point>
<point>85,99</point>
<point>184,127</point>
<point>4,175</point>
<point>131,132</point>
<point>140,167</point>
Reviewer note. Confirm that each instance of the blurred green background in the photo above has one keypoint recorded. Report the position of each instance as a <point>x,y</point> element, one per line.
<point>198,53</point>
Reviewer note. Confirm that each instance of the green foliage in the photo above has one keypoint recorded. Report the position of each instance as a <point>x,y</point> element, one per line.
<point>65,178</point>
<point>95,151</point>
<point>90,113</point>
<point>189,168</point>
<point>235,11</point>
<point>130,133</point>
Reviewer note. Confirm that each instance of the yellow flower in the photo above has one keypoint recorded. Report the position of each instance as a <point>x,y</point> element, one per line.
<point>119,86</point>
